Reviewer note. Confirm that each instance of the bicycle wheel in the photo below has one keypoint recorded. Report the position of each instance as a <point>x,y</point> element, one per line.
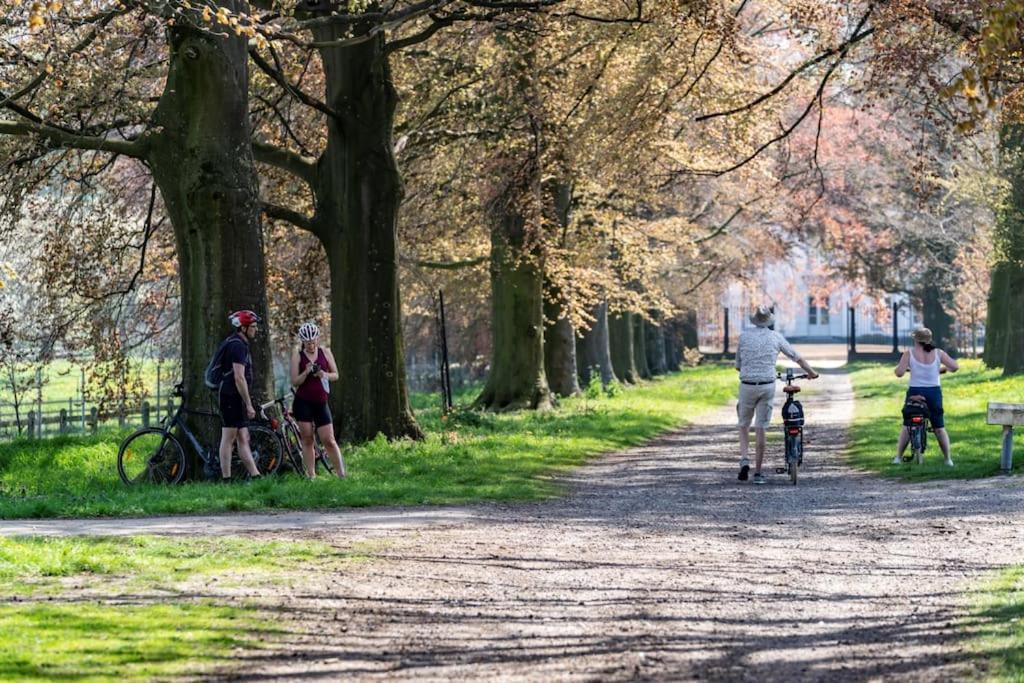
<point>323,463</point>
<point>293,447</point>
<point>792,458</point>
<point>267,451</point>
<point>151,456</point>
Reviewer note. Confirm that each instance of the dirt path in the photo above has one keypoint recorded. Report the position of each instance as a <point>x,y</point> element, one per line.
<point>659,565</point>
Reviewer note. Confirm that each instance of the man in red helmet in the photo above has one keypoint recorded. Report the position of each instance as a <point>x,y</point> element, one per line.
<point>236,407</point>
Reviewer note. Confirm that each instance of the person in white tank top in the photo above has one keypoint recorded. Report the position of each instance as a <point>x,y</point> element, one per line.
<point>926,363</point>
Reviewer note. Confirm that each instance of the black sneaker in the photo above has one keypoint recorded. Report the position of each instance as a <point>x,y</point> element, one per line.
<point>759,478</point>
<point>744,472</point>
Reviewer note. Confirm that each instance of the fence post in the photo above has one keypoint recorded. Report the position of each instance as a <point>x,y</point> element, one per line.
<point>94,419</point>
<point>170,406</point>
<point>158,364</point>
<point>82,387</point>
<point>39,401</point>
<point>31,424</point>
<point>725,327</point>
<point>63,421</point>
<point>145,413</point>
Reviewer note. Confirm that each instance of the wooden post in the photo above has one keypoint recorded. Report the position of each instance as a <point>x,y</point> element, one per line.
<point>39,401</point>
<point>853,330</point>
<point>31,424</point>
<point>64,421</point>
<point>94,419</point>
<point>158,379</point>
<point>170,406</point>
<point>145,413</point>
<point>82,387</point>
<point>895,327</point>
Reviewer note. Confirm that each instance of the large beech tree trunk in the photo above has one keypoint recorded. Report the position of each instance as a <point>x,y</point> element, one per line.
<point>936,318</point>
<point>559,350</point>
<point>593,353</point>
<point>1004,333</point>
<point>657,359</point>
<point>202,162</point>
<point>640,347</point>
<point>517,379</point>
<point>358,193</point>
<point>620,340</point>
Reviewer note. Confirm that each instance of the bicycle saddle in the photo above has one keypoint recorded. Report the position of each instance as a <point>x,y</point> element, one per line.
<point>792,389</point>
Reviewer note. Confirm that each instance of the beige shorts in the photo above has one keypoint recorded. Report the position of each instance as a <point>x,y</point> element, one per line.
<point>756,403</point>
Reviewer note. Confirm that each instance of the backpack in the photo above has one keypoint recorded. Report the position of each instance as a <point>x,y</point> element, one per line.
<point>213,375</point>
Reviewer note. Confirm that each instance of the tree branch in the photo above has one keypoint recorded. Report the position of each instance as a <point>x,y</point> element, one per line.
<point>292,90</point>
<point>297,219</point>
<point>445,265</point>
<point>137,148</point>
<point>296,164</point>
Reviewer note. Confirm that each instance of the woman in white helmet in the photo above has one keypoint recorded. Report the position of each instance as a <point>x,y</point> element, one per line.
<point>313,367</point>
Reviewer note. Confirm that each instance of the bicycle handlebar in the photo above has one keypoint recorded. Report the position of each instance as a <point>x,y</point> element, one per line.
<point>779,375</point>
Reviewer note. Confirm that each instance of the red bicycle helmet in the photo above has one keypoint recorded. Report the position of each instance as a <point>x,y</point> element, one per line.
<point>240,319</point>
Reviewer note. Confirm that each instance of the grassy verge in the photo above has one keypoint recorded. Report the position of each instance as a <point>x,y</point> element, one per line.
<point>135,608</point>
<point>998,626</point>
<point>975,445</point>
<point>470,456</point>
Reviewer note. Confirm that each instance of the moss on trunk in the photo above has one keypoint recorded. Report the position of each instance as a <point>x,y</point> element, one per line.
<point>593,353</point>
<point>620,340</point>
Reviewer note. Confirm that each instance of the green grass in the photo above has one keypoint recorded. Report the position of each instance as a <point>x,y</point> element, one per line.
<point>470,456</point>
<point>998,626</point>
<point>975,445</point>
<point>136,608</point>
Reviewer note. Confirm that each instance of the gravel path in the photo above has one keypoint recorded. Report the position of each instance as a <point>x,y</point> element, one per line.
<point>658,565</point>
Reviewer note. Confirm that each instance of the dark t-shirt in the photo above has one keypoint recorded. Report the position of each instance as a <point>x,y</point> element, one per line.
<point>236,351</point>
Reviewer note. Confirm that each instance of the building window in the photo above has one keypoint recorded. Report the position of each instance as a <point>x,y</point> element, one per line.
<point>817,315</point>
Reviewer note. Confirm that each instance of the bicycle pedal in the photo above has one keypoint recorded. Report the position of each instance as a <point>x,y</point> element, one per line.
<point>780,470</point>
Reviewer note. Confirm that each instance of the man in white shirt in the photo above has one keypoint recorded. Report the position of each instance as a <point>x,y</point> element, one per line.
<point>756,354</point>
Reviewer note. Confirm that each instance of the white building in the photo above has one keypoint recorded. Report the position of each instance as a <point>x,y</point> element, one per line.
<point>810,306</point>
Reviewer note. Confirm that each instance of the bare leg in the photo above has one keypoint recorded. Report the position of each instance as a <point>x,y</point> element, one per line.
<point>942,436</point>
<point>901,446</point>
<point>326,434</point>
<point>760,432</point>
<point>245,452</point>
<point>308,453</point>
<point>227,440</point>
<point>744,444</point>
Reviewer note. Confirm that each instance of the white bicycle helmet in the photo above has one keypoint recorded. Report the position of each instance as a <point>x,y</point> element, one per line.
<point>308,332</point>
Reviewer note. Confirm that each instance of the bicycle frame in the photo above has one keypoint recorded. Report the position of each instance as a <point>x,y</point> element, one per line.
<point>792,426</point>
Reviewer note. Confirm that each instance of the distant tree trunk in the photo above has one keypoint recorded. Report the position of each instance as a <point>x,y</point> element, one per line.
<point>1013,363</point>
<point>559,350</point>
<point>640,347</point>
<point>998,319</point>
<point>934,299</point>
<point>593,353</point>
<point>358,193</point>
<point>657,360</point>
<point>517,379</point>
<point>559,335</point>
<point>620,340</point>
<point>688,323</point>
<point>202,162</point>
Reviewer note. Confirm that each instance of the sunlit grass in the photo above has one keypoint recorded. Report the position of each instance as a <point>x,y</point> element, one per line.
<point>966,394</point>
<point>997,626</point>
<point>469,456</point>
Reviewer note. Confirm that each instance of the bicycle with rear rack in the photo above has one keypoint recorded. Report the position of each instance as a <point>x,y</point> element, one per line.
<point>287,430</point>
<point>915,420</point>
<point>792,426</point>
<point>156,454</point>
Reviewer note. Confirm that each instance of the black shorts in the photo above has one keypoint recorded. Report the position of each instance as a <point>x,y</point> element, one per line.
<point>308,411</point>
<point>232,411</point>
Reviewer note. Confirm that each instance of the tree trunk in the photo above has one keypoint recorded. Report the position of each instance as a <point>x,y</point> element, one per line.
<point>640,347</point>
<point>593,352</point>
<point>998,320</point>
<point>202,162</point>
<point>1006,297</point>
<point>517,379</point>
<point>657,359</point>
<point>358,193</point>
<point>620,341</point>
<point>934,299</point>
<point>559,350</point>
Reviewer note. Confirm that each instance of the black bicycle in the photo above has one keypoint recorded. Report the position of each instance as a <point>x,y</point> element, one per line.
<point>915,419</point>
<point>155,455</point>
<point>792,425</point>
<point>287,429</point>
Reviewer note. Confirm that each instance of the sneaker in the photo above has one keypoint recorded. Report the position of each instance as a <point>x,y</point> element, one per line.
<point>898,460</point>
<point>744,472</point>
<point>949,461</point>
<point>759,478</point>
